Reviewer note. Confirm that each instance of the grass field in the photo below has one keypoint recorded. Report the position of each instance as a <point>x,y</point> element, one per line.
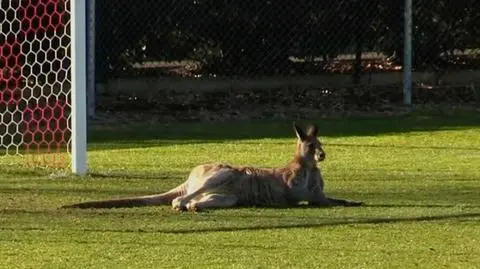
<point>419,176</point>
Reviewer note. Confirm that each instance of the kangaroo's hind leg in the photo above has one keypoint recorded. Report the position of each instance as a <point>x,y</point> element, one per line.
<point>209,183</point>
<point>213,201</point>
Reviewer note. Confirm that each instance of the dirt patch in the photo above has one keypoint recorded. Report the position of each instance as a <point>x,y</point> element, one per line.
<point>278,103</point>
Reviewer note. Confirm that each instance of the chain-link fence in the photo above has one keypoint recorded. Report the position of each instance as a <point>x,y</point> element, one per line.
<point>247,38</point>
<point>336,47</point>
<point>187,38</point>
<point>446,35</point>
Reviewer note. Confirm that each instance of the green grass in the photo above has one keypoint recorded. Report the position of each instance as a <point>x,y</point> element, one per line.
<point>418,174</point>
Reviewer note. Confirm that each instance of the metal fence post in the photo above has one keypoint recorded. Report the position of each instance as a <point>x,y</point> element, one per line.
<point>407,54</point>
<point>91,85</point>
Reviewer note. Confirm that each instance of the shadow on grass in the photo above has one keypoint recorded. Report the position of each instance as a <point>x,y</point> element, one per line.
<point>349,221</point>
<point>138,175</point>
<point>8,171</point>
<point>404,146</point>
<point>108,193</point>
<point>331,223</point>
<point>171,213</point>
<point>138,135</point>
<point>419,206</point>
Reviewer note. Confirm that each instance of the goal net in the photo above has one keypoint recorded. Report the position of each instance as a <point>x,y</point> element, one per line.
<point>36,81</point>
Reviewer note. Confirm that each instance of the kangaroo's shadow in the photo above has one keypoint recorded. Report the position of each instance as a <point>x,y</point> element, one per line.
<point>465,216</point>
<point>326,223</point>
<point>419,205</point>
<point>362,205</point>
<point>345,221</point>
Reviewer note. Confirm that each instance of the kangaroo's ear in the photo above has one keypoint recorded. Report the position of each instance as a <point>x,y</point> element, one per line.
<point>312,130</point>
<point>299,132</point>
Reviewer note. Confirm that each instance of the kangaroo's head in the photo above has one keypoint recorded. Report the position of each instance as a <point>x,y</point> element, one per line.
<point>309,148</point>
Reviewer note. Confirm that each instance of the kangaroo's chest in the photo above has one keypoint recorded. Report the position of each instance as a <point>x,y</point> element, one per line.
<point>304,184</point>
<point>306,178</point>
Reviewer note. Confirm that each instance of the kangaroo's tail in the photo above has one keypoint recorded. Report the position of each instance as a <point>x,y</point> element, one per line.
<point>148,200</point>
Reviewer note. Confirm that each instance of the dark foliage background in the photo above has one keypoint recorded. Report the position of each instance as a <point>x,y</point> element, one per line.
<point>256,38</point>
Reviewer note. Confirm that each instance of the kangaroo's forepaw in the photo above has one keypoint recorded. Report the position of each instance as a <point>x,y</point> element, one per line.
<point>193,207</point>
<point>353,203</point>
<point>178,204</point>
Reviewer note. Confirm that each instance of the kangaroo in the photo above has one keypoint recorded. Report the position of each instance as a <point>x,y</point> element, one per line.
<point>217,185</point>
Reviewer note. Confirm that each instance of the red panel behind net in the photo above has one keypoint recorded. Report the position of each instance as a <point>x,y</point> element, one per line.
<point>11,61</point>
<point>39,16</point>
<point>35,82</point>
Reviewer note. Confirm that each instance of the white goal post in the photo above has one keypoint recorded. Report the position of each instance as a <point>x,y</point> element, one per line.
<point>79,85</point>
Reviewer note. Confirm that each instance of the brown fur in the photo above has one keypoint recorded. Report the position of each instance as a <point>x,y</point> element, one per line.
<point>219,185</point>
